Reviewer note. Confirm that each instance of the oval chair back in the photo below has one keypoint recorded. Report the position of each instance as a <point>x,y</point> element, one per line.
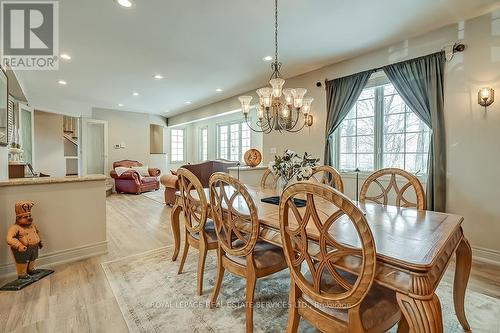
<point>194,201</point>
<point>330,177</point>
<point>234,214</point>
<point>313,237</point>
<point>406,181</point>
<point>269,183</point>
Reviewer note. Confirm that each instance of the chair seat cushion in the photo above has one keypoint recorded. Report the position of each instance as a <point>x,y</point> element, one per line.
<point>147,180</point>
<point>209,231</point>
<point>378,307</point>
<point>265,255</point>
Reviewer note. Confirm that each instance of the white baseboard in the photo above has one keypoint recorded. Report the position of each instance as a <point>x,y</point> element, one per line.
<point>486,255</point>
<point>60,257</point>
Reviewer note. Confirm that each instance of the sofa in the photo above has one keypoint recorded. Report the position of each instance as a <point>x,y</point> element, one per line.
<point>131,181</point>
<point>202,170</point>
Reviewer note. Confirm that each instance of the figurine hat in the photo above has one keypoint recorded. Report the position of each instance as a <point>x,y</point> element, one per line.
<point>23,208</point>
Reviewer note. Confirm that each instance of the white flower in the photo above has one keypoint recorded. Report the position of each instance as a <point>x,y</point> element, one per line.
<point>306,172</point>
<point>289,152</point>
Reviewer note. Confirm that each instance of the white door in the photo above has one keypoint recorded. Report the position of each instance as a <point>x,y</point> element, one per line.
<point>26,133</point>
<point>93,143</point>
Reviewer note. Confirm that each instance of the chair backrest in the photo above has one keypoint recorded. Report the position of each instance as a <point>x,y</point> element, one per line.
<point>126,164</point>
<point>330,176</point>
<point>194,201</point>
<point>311,236</point>
<point>404,178</point>
<point>205,169</point>
<point>272,182</point>
<point>234,214</point>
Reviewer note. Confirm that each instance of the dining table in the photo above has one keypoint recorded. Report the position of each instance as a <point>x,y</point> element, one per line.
<point>414,249</point>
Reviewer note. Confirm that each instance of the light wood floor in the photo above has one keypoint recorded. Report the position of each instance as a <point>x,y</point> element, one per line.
<point>77,297</point>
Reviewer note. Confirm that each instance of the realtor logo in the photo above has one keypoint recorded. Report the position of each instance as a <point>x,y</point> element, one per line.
<point>30,34</point>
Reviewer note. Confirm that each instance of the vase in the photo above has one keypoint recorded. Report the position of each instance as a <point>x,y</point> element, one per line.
<point>282,184</point>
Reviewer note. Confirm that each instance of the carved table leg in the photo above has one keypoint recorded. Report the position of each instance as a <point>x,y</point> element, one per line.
<point>174,220</point>
<point>423,316</point>
<point>462,273</point>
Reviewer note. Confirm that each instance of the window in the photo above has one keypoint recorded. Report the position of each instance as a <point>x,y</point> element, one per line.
<point>177,145</point>
<point>233,141</point>
<point>203,144</point>
<point>381,131</point>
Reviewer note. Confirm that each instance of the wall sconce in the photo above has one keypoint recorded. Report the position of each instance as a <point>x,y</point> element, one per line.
<point>309,120</point>
<point>485,96</point>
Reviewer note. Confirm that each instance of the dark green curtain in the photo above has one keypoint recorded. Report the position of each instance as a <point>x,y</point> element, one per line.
<point>341,95</point>
<point>420,83</point>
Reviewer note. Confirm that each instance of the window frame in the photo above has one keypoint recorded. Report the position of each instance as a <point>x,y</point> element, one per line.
<point>228,142</point>
<point>183,146</point>
<point>378,82</point>
<point>201,151</point>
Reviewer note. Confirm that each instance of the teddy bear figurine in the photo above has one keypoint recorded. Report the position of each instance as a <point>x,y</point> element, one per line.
<point>24,240</point>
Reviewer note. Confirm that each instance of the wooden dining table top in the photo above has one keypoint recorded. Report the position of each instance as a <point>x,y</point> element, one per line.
<point>404,237</point>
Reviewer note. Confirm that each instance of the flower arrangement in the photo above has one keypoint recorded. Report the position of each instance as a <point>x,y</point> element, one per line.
<point>291,165</point>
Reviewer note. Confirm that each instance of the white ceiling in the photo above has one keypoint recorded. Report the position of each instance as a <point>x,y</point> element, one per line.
<point>201,45</point>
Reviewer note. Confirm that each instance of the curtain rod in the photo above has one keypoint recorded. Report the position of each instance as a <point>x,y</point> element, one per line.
<point>457,48</point>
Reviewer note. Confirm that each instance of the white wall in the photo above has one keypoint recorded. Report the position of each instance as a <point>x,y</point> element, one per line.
<point>49,145</point>
<point>472,134</point>
<point>131,129</point>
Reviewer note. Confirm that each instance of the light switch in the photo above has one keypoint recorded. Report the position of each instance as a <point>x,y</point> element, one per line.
<point>122,145</point>
<point>116,146</point>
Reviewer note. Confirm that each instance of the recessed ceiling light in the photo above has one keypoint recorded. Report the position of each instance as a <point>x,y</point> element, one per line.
<point>188,102</point>
<point>65,56</point>
<point>135,93</point>
<point>267,58</point>
<point>62,82</point>
<point>158,76</point>
<point>218,89</point>
<point>166,111</point>
<point>125,3</point>
<point>120,105</point>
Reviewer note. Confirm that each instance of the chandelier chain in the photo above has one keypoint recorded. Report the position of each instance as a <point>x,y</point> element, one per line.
<point>276,31</point>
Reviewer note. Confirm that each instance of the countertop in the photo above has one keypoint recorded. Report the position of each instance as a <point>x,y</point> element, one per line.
<point>50,180</point>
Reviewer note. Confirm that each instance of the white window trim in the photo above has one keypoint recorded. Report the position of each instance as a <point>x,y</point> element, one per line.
<point>184,146</point>
<point>200,141</point>
<point>374,82</point>
<point>229,123</point>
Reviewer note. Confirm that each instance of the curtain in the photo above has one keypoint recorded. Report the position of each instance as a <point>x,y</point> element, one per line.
<point>341,96</point>
<point>420,83</point>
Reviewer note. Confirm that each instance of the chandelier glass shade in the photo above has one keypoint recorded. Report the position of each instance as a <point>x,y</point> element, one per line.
<point>279,109</point>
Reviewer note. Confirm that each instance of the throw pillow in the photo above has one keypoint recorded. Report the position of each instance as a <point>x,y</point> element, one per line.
<point>142,171</point>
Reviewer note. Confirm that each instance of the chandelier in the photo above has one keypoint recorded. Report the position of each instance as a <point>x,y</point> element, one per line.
<point>279,109</point>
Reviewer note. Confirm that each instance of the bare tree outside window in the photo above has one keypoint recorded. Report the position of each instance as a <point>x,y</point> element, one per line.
<point>382,131</point>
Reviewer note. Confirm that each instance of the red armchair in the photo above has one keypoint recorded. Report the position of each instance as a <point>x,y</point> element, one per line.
<point>131,181</point>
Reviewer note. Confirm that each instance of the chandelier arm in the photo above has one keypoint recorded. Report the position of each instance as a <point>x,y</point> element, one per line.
<point>299,129</point>
<point>253,129</point>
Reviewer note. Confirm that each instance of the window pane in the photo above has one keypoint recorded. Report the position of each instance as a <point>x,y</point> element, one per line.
<point>366,108</point>
<point>394,143</point>
<point>365,162</point>
<point>394,104</point>
<point>367,93</point>
<point>365,144</point>
<point>366,126</point>
<point>348,144</point>
<point>416,163</point>
<point>394,123</point>
<point>348,127</point>
<point>394,160</point>
<point>347,161</point>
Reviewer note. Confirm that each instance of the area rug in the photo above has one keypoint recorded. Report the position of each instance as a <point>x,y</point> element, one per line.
<point>154,298</point>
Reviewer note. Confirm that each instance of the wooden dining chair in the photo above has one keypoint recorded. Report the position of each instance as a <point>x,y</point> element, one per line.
<point>330,176</point>
<point>241,252</point>
<point>199,230</point>
<point>269,183</point>
<point>314,241</point>
<point>405,179</point>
